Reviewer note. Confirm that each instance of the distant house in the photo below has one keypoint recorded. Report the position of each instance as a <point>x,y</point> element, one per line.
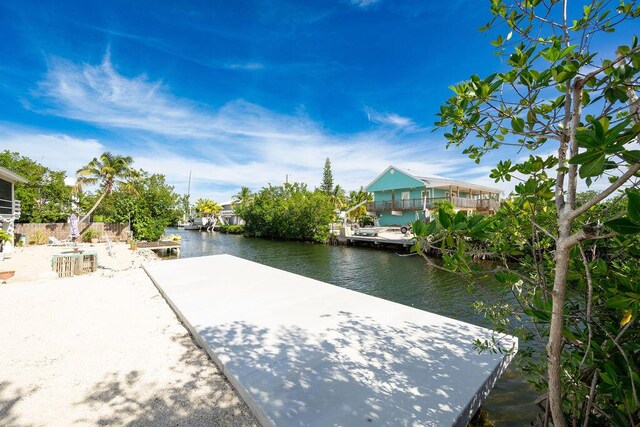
<point>9,206</point>
<point>401,197</point>
<point>228,215</point>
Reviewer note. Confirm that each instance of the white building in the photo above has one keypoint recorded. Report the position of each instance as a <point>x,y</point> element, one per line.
<point>228,215</point>
<point>9,206</point>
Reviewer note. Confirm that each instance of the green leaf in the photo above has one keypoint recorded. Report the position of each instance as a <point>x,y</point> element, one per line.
<point>599,127</point>
<point>606,378</point>
<point>444,218</point>
<point>506,277</point>
<point>633,206</point>
<point>419,228</point>
<point>623,226</point>
<point>631,156</point>
<point>586,138</point>
<point>460,217</point>
<point>460,225</point>
<point>517,124</point>
<point>586,157</point>
<point>449,240</point>
<point>475,220</point>
<point>621,302</point>
<point>594,167</point>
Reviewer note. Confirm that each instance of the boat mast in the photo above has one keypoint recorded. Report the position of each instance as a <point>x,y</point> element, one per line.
<point>189,196</point>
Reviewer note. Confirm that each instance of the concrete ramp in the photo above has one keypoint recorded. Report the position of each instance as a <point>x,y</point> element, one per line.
<point>306,353</point>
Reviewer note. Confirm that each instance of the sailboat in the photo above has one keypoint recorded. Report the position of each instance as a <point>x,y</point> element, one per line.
<point>202,221</point>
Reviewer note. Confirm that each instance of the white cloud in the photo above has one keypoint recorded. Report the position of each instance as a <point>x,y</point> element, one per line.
<point>355,162</point>
<point>238,144</point>
<point>364,3</point>
<point>390,119</point>
<point>99,94</point>
<point>249,66</point>
<point>54,150</point>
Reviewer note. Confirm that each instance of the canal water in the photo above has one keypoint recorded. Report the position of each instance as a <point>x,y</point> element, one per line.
<point>405,280</point>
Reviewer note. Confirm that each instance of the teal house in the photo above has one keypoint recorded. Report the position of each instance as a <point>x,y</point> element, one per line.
<point>401,197</point>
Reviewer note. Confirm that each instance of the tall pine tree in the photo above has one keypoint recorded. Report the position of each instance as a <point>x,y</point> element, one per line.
<point>327,178</point>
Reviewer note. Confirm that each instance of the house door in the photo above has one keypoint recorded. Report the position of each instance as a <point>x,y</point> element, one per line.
<point>406,199</point>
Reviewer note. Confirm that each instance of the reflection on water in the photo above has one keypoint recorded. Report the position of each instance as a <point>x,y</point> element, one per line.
<point>405,280</point>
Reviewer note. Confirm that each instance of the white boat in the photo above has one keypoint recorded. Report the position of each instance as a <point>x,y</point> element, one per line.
<point>367,231</point>
<point>201,223</point>
<point>191,226</point>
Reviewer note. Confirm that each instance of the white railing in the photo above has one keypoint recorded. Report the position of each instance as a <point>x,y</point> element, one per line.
<point>419,204</point>
<point>6,207</point>
<point>461,202</point>
<point>10,207</point>
<point>479,204</point>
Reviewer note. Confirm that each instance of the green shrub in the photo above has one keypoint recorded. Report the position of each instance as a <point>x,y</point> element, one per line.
<point>364,221</point>
<point>4,237</point>
<point>231,229</point>
<point>38,238</point>
<point>89,234</point>
<point>287,211</point>
<point>147,202</point>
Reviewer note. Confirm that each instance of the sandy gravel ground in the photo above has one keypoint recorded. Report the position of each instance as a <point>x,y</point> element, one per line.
<point>34,262</point>
<point>104,349</point>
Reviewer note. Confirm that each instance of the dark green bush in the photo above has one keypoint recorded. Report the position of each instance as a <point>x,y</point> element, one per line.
<point>231,229</point>
<point>287,211</point>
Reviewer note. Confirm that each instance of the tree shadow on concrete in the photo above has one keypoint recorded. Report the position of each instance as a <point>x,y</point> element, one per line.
<point>357,371</point>
<point>8,399</point>
<point>202,396</point>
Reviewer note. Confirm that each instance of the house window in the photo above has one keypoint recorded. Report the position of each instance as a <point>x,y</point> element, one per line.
<point>426,194</point>
<point>406,195</point>
<point>6,198</point>
<point>5,190</point>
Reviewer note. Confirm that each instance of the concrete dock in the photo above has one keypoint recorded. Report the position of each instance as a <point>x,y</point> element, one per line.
<point>306,353</point>
<point>381,241</point>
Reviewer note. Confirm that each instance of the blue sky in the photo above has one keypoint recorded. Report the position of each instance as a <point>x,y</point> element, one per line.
<point>240,92</point>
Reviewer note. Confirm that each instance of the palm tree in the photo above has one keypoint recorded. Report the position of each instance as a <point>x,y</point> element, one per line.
<point>338,197</point>
<point>207,206</point>
<point>108,170</point>
<point>357,197</point>
<point>243,196</point>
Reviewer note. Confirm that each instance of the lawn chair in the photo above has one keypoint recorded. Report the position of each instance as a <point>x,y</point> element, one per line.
<point>56,242</point>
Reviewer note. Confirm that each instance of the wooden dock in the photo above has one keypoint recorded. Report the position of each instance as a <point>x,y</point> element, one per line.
<point>303,352</point>
<point>160,245</point>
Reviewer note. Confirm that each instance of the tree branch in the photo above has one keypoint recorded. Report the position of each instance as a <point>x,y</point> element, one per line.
<point>633,169</point>
<point>611,64</point>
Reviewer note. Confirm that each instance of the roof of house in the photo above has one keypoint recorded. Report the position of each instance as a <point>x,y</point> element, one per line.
<point>440,182</point>
<point>6,174</point>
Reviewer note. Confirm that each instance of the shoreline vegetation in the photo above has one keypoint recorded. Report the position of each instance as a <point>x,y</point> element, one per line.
<point>230,229</point>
